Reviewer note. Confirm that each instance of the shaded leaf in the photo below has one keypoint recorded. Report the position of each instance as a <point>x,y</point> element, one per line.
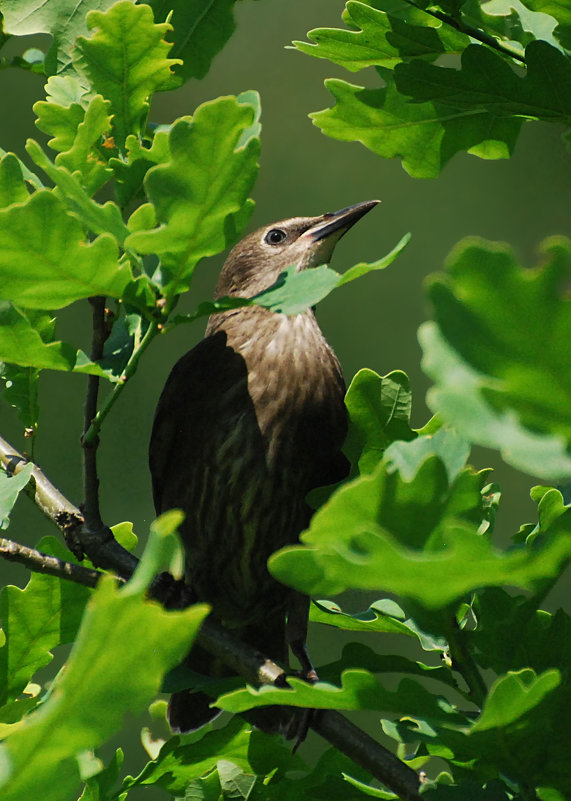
<point>45,614</point>
<point>511,696</point>
<point>359,690</point>
<point>102,681</point>
<point>199,31</point>
<point>12,185</point>
<point>10,488</point>
<point>512,391</point>
<point>382,39</point>
<point>379,412</point>
<point>487,82</point>
<point>190,756</point>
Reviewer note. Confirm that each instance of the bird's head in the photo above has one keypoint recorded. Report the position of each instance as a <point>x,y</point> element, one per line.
<point>255,263</point>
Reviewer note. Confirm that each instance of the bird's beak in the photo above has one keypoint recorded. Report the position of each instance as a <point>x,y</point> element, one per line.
<point>340,220</point>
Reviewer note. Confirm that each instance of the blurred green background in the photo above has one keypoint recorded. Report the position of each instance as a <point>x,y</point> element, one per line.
<point>372,322</point>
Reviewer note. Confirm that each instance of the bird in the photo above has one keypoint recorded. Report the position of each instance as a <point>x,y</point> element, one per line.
<point>249,421</point>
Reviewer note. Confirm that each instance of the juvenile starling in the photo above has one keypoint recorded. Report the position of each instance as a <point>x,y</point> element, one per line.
<point>249,421</point>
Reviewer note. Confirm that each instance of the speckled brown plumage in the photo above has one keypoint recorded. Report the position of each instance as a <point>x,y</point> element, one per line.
<point>249,421</point>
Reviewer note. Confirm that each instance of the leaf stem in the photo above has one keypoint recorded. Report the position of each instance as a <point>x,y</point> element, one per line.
<point>92,432</point>
<point>475,33</point>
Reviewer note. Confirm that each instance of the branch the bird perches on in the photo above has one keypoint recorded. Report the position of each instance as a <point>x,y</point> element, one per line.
<point>105,552</point>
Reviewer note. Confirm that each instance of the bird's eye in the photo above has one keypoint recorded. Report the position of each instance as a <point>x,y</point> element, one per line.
<point>275,236</point>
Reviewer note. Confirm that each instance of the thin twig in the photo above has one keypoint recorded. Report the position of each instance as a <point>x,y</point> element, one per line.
<point>44,563</point>
<point>92,514</point>
<point>475,33</point>
<point>93,431</point>
<point>251,664</point>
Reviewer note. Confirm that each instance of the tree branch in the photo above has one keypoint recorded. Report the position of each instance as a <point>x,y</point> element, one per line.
<point>50,565</point>
<point>101,547</point>
<point>215,639</point>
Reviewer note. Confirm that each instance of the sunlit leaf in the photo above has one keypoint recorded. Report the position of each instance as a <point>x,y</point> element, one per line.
<point>45,261</point>
<point>126,61</point>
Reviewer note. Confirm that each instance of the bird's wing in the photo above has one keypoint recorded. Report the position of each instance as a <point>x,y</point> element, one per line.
<point>205,390</point>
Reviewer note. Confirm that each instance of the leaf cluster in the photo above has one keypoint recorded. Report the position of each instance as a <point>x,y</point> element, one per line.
<point>504,65</point>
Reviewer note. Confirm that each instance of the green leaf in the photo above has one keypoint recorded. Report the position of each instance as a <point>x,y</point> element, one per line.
<point>417,538</point>
<point>296,291</point>
<point>355,654</point>
<point>384,615</point>
<point>424,135</point>
<point>363,268</point>
<point>201,193</point>
<point>10,488</point>
<point>103,680</point>
<point>12,185</point>
<point>45,262</point>
<point>511,696</point>
<point>45,614</point>
<point>22,343</point>
<point>19,388</point>
<point>383,39</point>
<point>64,20</point>
<point>199,32</point>
<point>500,357</point>
<point>77,135</point>
<point>407,457</point>
<point>98,218</point>
<point>359,690</point>
<point>100,786</point>
<point>487,82</point>
<point>190,756</point>
<point>126,61</point>
<point>379,412</point>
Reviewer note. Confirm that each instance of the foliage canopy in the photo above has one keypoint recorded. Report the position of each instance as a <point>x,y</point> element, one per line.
<point>414,520</point>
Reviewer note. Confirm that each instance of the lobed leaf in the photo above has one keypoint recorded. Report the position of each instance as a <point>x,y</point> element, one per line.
<point>417,538</point>
<point>125,60</point>
<point>359,690</point>
<point>201,194</point>
<point>382,35</point>
<point>12,185</point>
<point>424,135</point>
<point>512,390</point>
<point>45,614</point>
<point>102,681</point>
<point>190,756</point>
<point>199,31</point>
<point>64,20</point>
<point>379,410</point>
<point>487,82</point>
<point>45,262</point>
